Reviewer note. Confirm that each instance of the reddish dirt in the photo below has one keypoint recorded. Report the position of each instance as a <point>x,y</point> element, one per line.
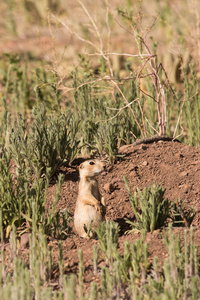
<point>174,165</point>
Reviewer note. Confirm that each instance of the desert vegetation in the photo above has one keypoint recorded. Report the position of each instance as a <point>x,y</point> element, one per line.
<point>81,80</point>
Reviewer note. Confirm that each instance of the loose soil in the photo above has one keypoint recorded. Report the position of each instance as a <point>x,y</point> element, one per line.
<point>174,165</point>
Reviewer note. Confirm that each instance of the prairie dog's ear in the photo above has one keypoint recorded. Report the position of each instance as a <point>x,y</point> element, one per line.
<point>81,166</point>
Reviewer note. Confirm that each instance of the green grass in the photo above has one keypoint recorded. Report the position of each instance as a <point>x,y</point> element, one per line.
<point>128,272</point>
<point>151,209</point>
<point>25,201</point>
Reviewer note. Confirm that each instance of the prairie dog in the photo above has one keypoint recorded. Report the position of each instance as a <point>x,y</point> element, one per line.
<point>90,205</point>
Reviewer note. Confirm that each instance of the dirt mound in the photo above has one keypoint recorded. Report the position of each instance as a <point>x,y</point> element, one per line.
<point>174,165</point>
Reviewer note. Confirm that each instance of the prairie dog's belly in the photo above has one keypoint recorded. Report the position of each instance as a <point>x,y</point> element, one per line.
<point>84,215</point>
<point>93,215</point>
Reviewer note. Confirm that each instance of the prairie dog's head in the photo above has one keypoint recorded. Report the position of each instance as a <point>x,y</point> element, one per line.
<point>90,168</point>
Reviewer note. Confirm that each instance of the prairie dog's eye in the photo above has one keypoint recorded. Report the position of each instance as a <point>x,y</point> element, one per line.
<point>91,163</point>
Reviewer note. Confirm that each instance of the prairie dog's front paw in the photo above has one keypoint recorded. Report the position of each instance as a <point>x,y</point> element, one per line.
<point>103,201</point>
<point>98,207</point>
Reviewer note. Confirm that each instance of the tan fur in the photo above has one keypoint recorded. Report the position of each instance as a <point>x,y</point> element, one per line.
<point>90,205</point>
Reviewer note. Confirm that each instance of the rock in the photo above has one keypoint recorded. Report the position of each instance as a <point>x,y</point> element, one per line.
<point>125,149</point>
<point>195,162</point>
<point>178,155</point>
<point>157,234</point>
<point>143,147</point>
<point>109,188</point>
<point>24,241</point>
<point>71,245</point>
<point>145,163</point>
<point>184,173</point>
<point>185,187</point>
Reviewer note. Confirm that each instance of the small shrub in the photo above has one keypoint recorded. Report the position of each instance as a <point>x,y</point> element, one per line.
<point>150,208</point>
<point>11,198</point>
<point>105,124</point>
<point>108,233</point>
<point>21,200</point>
<point>181,268</point>
<point>88,230</point>
<point>107,140</point>
<point>54,222</point>
<point>50,142</point>
<point>131,263</point>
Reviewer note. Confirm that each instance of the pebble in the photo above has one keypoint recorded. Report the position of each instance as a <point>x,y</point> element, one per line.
<point>184,173</point>
<point>143,147</point>
<point>24,241</point>
<point>185,187</point>
<point>71,245</point>
<point>179,155</point>
<point>109,188</point>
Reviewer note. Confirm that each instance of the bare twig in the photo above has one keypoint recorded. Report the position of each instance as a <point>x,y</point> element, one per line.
<point>151,126</point>
<point>129,107</point>
<point>119,110</point>
<point>142,113</point>
<point>151,67</point>
<point>143,92</point>
<point>93,23</point>
<point>120,54</point>
<point>179,117</point>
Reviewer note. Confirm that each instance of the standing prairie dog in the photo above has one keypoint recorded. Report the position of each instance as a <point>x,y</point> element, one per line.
<point>90,205</point>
